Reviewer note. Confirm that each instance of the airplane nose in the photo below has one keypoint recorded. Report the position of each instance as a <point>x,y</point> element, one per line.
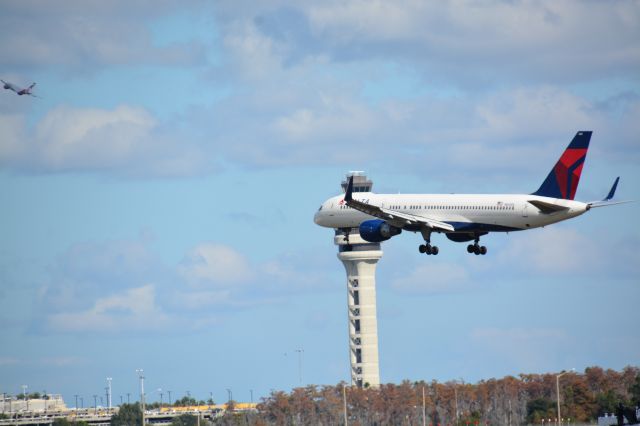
<point>316,218</point>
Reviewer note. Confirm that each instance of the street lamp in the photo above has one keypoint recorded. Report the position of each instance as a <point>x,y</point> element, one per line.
<point>558,389</point>
<point>109,392</point>
<point>170,403</point>
<point>24,392</point>
<point>141,377</point>
<point>230,394</point>
<point>300,352</point>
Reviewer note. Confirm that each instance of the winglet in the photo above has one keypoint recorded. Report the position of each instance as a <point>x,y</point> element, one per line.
<point>348,195</point>
<point>613,190</point>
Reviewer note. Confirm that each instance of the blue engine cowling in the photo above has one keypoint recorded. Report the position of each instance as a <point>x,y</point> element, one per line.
<point>377,230</point>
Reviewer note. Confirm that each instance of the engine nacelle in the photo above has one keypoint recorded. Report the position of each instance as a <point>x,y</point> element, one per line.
<point>377,230</point>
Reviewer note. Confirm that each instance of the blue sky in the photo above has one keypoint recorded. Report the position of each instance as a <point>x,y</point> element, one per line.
<point>157,201</point>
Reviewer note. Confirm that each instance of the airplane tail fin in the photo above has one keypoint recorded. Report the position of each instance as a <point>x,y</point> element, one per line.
<point>562,181</point>
<point>32,86</point>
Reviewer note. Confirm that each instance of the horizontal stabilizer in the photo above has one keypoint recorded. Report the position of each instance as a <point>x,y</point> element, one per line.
<point>612,192</point>
<point>547,208</point>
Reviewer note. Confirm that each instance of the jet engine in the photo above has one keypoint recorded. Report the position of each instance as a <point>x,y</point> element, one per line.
<point>377,230</point>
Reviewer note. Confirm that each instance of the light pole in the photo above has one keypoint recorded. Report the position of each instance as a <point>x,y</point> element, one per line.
<point>424,409</point>
<point>170,403</point>
<point>251,392</point>
<point>230,394</point>
<point>109,392</point>
<point>76,402</point>
<point>44,396</point>
<point>344,404</point>
<point>300,352</point>
<point>160,390</point>
<point>95,404</point>
<point>82,402</point>
<point>24,392</point>
<point>558,390</point>
<point>128,399</point>
<point>141,377</point>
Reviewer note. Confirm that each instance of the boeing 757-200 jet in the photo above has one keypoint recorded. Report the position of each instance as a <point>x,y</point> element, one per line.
<point>464,217</point>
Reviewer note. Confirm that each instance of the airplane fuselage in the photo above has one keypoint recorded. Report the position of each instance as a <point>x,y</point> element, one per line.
<point>467,213</point>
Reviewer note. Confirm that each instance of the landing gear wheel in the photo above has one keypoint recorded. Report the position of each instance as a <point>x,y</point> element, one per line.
<point>434,250</point>
<point>470,248</point>
<point>422,248</point>
<point>483,250</point>
<point>476,250</point>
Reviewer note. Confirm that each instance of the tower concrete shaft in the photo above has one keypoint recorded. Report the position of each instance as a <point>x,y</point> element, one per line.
<point>360,259</point>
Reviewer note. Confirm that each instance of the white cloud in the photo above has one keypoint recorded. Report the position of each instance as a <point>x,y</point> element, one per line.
<point>215,265</point>
<point>554,250</point>
<point>469,42</point>
<point>9,361</point>
<point>84,37</point>
<point>124,141</point>
<point>132,310</point>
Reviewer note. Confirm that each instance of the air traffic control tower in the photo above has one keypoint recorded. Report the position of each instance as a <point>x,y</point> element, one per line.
<point>360,258</point>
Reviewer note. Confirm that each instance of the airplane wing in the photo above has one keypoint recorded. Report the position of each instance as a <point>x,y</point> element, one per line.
<point>395,218</point>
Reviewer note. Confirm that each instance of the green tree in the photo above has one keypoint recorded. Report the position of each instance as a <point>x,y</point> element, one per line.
<point>538,409</point>
<point>186,401</point>
<point>62,421</point>
<point>128,415</point>
<point>634,392</point>
<point>186,420</point>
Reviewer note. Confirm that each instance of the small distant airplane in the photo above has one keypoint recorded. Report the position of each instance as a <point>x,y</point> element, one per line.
<point>20,91</point>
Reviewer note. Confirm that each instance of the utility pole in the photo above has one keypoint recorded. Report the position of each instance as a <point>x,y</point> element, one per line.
<point>558,390</point>
<point>424,409</point>
<point>300,352</point>
<point>170,402</point>
<point>24,392</point>
<point>95,404</point>
<point>344,404</point>
<point>76,403</point>
<point>141,377</point>
<point>109,393</point>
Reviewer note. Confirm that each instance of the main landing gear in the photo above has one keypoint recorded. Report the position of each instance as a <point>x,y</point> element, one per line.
<point>427,247</point>
<point>476,248</point>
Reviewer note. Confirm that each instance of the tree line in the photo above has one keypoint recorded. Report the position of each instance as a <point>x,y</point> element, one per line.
<point>526,399</point>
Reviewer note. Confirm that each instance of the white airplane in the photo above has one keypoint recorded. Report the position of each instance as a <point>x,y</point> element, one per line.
<point>19,90</point>
<point>464,217</point>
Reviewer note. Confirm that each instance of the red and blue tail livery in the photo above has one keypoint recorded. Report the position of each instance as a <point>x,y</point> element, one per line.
<point>562,181</point>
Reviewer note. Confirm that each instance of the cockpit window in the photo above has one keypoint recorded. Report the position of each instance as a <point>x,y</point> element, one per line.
<point>320,208</point>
